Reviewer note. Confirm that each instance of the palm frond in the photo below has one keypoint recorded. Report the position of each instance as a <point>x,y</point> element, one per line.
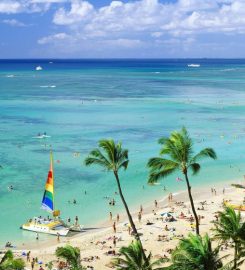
<point>195,252</point>
<point>158,163</point>
<point>207,152</point>
<point>133,259</point>
<point>195,167</point>
<point>155,176</point>
<point>109,155</point>
<point>238,186</point>
<point>96,161</point>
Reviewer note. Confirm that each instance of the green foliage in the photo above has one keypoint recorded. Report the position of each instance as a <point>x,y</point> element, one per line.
<point>177,154</point>
<point>134,259</point>
<point>8,262</point>
<point>195,253</point>
<point>71,255</point>
<point>238,186</point>
<point>110,155</point>
<point>50,265</point>
<point>230,227</point>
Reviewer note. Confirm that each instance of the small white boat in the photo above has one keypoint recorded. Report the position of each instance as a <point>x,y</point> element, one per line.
<point>76,228</point>
<point>39,68</point>
<point>194,65</point>
<point>42,136</point>
<point>49,226</point>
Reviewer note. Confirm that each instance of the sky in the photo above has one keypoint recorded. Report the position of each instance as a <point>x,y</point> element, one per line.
<point>122,29</point>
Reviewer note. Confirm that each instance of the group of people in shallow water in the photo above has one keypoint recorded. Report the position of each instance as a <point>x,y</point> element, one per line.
<point>9,245</point>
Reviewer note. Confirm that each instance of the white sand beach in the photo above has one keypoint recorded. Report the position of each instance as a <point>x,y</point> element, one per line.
<point>156,237</point>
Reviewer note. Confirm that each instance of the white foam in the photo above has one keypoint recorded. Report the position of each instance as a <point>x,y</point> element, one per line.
<point>47,86</point>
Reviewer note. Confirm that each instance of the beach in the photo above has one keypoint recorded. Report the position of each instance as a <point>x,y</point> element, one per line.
<point>95,243</point>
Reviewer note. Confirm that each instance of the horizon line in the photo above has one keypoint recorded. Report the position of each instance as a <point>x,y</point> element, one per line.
<point>130,58</point>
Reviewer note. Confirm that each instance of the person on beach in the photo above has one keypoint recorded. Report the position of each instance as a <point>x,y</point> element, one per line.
<point>28,254</point>
<point>76,220</point>
<point>41,268</point>
<point>110,215</point>
<point>141,209</point>
<point>37,236</point>
<point>114,241</point>
<point>223,191</point>
<point>33,263</point>
<point>129,229</point>
<point>114,227</point>
<point>155,203</point>
<point>139,216</point>
<point>58,237</point>
<point>118,218</point>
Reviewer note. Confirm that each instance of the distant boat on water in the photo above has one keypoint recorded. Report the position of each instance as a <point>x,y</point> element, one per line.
<point>194,65</point>
<point>39,68</point>
<point>41,136</point>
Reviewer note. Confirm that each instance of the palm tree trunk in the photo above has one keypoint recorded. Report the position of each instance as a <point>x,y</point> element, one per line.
<point>235,256</point>
<point>192,203</point>
<point>135,232</point>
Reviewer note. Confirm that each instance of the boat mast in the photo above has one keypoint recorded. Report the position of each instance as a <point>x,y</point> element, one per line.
<point>51,169</point>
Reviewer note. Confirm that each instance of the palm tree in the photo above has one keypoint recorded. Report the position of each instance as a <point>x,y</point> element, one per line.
<point>112,157</point>
<point>178,149</point>
<point>134,259</point>
<point>71,255</point>
<point>195,252</point>
<point>230,227</point>
<point>8,262</point>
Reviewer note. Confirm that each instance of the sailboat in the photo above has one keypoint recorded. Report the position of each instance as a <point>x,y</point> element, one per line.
<point>48,225</point>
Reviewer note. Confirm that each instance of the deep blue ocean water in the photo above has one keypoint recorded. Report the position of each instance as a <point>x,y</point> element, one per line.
<point>78,102</point>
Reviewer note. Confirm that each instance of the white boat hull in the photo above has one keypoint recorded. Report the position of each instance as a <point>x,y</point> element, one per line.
<point>53,227</point>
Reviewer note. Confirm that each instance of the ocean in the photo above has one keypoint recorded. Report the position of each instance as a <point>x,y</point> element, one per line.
<point>78,102</point>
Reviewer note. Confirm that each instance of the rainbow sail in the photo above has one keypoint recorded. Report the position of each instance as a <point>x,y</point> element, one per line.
<point>48,196</point>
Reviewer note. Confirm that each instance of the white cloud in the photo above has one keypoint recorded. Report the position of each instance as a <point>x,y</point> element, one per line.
<point>10,7</point>
<point>14,22</point>
<point>29,6</point>
<point>190,16</point>
<point>47,1</point>
<point>80,10</point>
<point>54,38</point>
<point>124,43</point>
<point>143,25</point>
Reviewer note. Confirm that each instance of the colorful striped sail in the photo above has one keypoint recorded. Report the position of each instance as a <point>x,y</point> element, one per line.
<point>48,196</point>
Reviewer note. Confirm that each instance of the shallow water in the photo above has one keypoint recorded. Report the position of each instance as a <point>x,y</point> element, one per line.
<point>135,101</point>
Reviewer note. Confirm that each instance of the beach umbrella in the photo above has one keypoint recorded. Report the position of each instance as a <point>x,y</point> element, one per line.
<point>166,215</point>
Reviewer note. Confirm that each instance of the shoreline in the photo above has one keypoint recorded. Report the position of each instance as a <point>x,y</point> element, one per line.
<point>105,225</point>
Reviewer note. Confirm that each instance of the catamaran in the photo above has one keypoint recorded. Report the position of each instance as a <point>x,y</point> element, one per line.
<point>53,225</point>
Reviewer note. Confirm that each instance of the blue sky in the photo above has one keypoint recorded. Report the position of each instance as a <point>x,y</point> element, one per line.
<point>122,29</point>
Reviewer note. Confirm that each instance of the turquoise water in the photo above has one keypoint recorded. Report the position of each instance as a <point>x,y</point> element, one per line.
<point>135,101</point>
